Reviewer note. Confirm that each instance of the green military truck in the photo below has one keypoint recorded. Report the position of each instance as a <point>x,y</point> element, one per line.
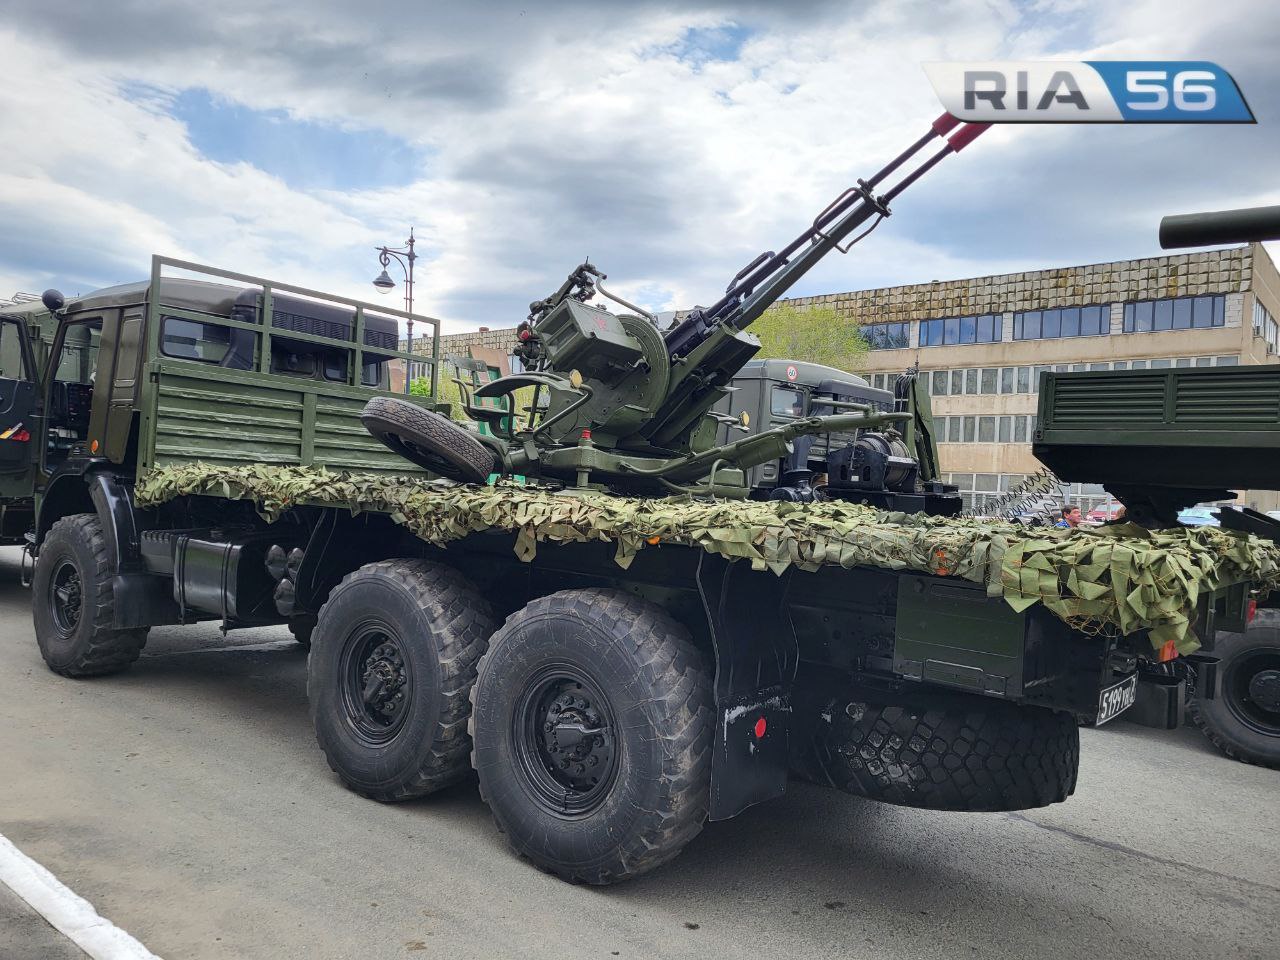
<point>625,646</point>
<point>615,670</point>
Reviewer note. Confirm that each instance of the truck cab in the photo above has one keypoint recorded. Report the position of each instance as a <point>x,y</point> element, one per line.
<point>96,389</point>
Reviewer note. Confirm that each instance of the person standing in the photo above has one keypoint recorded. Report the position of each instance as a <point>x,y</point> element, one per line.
<point>1070,518</point>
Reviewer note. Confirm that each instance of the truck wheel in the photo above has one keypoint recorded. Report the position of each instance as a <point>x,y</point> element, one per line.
<point>428,439</point>
<point>72,602</point>
<point>946,751</point>
<point>392,662</point>
<point>1243,719</point>
<point>593,729</point>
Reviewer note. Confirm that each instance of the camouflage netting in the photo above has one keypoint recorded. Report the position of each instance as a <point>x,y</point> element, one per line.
<point>1109,578</point>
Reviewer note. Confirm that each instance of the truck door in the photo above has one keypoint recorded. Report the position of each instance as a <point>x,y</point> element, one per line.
<point>17,408</point>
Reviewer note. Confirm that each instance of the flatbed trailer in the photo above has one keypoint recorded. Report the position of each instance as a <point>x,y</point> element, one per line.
<point>615,670</point>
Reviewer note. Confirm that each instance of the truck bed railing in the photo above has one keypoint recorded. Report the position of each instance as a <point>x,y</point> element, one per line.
<point>355,345</point>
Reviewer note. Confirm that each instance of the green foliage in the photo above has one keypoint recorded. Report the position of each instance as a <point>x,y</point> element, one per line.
<point>448,391</point>
<point>818,334</point>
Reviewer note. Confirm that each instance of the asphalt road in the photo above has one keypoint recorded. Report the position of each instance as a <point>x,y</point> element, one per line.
<point>186,799</point>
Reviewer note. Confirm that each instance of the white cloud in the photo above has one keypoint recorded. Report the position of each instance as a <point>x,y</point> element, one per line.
<point>556,133</point>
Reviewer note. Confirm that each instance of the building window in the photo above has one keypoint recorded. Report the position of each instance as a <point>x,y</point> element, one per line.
<point>1180,313</point>
<point>1265,326</point>
<point>887,336</point>
<point>1228,361</point>
<point>939,383</point>
<point>957,330</point>
<point>1091,321</point>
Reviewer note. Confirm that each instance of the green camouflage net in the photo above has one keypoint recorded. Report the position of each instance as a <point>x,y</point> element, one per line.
<point>1117,578</point>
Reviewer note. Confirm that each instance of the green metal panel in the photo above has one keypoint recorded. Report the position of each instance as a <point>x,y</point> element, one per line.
<point>1188,406</point>
<point>1211,429</point>
<point>950,632</point>
<point>198,412</point>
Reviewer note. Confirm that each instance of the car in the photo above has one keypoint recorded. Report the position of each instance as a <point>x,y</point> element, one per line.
<point>1199,516</point>
<point>1104,512</point>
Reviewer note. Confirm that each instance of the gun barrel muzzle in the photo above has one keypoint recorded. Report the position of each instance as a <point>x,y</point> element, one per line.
<point>1221,226</point>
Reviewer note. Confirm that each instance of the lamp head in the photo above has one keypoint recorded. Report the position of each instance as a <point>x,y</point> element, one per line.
<point>383,282</point>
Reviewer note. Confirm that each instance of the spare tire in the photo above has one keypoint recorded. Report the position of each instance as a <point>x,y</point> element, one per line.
<point>944,751</point>
<point>428,439</point>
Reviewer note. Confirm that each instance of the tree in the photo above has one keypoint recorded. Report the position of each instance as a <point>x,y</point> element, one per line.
<point>818,334</point>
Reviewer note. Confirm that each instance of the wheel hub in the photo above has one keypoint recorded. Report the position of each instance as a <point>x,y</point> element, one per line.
<point>382,682</point>
<point>1264,690</point>
<point>574,737</point>
<point>565,742</point>
<point>66,596</point>
<point>377,682</point>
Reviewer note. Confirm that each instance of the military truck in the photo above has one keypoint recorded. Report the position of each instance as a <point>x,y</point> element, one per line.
<point>619,649</point>
<point>618,707</point>
<point>1177,438</point>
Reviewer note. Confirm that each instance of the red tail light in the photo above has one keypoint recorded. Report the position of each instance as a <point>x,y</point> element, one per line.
<point>1250,610</point>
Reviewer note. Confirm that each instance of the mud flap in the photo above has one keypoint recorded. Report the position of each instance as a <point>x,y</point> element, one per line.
<point>756,657</point>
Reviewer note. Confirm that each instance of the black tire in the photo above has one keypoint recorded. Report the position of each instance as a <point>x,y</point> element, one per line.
<point>631,674</point>
<point>72,603</point>
<point>946,751</point>
<point>420,627</point>
<point>428,439</point>
<point>302,628</point>
<point>1243,718</point>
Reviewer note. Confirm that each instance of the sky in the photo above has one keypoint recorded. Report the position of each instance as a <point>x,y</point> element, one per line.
<point>669,142</point>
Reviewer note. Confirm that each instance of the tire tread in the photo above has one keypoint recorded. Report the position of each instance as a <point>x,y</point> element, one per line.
<point>672,667</point>
<point>463,622</point>
<point>109,650</point>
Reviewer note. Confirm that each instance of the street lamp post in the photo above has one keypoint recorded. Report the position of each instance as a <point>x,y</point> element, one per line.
<point>385,284</point>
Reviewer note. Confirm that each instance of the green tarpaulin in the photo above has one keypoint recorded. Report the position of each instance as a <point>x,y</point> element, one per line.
<point>1120,578</point>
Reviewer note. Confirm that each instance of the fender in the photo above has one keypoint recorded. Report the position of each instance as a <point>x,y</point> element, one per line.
<point>756,658</point>
<point>94,486</point>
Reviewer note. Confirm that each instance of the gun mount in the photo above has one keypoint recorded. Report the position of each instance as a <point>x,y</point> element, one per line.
<point>614,400</point>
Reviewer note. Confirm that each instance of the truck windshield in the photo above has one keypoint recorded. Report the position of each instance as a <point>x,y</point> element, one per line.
<point>79,358</point>
<point>787,402</point>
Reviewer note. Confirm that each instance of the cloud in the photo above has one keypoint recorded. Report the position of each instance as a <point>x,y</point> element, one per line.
<point>670,143</point>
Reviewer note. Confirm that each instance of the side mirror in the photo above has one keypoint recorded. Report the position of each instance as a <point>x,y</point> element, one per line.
<point>53,300</point>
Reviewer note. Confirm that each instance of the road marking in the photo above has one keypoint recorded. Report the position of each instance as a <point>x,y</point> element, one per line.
<point>73,915</point>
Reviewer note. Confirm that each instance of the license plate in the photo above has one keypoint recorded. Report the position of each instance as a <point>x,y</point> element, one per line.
<point>1116,699</point>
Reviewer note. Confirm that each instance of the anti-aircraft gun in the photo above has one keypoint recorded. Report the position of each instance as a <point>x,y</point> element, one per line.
<point>618,404</point>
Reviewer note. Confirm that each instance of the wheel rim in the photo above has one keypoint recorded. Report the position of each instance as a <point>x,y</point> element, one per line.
<point>425,457</point>
<point>1251,689</point>
<point>66,596</point>
<point>565,740</point>
<point>377,682</point>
